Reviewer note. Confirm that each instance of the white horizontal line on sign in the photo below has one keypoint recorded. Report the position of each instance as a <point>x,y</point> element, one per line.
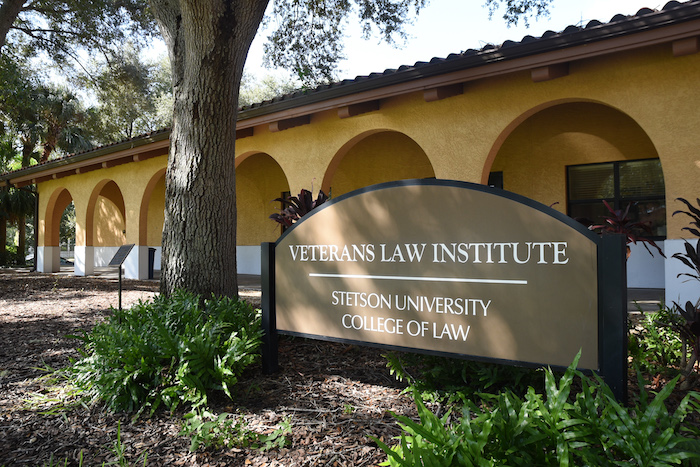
<point>419,278</point>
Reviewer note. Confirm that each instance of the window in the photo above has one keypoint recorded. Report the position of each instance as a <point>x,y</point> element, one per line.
<point>640,183</point>
<point>496,180</point>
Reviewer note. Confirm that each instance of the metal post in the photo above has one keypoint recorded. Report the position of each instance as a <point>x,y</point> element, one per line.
<point>612,315</point>
<point>118,261</point>
<point>120,287</point>
<point>269,322</point>
<point>36,231</point>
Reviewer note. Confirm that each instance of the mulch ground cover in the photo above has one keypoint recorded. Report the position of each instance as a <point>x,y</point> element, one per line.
<point>334,396</point>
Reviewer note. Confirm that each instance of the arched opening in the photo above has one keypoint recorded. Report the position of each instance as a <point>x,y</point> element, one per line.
<point>574,155</point>
<point>376,157</point>
<point>152,216</point>
<point>534,155</point>
<point>106,222</point>
<point>259,180</point>
<point>58,208</point>
<point>66,237</point>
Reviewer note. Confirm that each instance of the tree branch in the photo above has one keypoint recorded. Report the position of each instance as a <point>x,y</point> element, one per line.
<point>31,31</point>
<point>9,10</point>
<point>61,46</point>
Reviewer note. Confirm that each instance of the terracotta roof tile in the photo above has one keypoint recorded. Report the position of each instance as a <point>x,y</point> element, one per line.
<point>487,49</point>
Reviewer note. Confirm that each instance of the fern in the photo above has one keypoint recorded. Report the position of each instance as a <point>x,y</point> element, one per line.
<point>169,351</point>
<point>554,428</point>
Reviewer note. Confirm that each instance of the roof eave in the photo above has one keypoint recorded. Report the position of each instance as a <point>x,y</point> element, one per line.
<point>558,42</point>
<point>111,151</point>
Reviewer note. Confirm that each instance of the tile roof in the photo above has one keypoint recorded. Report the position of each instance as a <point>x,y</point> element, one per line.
<point>139,140</point>
<point>619,25</point>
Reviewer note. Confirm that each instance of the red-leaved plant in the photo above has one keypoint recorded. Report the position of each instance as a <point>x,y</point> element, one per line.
<point>690,330</point>
<point>619,222</point>
<point>296,207</point>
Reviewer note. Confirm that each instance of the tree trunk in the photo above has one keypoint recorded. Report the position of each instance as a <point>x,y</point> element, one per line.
<point>22,243</point>
<point>28,144</point>
<point>46,153</point>
<point>208,42</point>
<point>3,241</point>
<point>8,13</point>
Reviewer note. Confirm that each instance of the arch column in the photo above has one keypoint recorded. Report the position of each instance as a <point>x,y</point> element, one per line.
<point>48,259</point>
<point>84,260</point>
<point>136,263</point>
<point>84,250</point>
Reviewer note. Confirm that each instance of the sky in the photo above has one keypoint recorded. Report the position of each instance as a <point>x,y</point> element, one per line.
<point>452,26</point>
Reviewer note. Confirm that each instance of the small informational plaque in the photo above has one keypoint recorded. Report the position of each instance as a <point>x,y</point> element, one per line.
<point>117,260</point>
<point>121,254</point>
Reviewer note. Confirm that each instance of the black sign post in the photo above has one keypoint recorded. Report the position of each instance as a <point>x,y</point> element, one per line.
<point>117,260</point>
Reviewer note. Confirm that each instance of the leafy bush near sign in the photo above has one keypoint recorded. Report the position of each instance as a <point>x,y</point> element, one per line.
<point>491,426</point>
<point>689,327</point>
<point>428,373</point>
<point>557,428</point>
<point>296,207</point>
<point>691,258</point>
<point>169,351</point>
<point>660,342</point>
<point>654,343</point>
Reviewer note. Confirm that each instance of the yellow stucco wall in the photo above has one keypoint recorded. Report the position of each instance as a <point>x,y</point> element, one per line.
<point>380,157</point>
<point>629,105</point>
<point>463,135</point>
<point>156,213</point>
<point>131,180</point>
<point>109,224</point>
<point>259,180</point>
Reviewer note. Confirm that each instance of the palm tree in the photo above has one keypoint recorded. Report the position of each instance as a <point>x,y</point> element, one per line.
<point>60,118</point>
<point>32,116</point>
<point>15,205</point>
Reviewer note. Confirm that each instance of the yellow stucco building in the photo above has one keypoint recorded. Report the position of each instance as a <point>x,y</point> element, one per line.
<point>606,111</point>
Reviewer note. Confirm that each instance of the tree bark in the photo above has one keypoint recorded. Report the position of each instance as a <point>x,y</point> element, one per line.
<point>9,10</point>
<point>207,42</point>
<point>3,241</point>
<point>22,243</point>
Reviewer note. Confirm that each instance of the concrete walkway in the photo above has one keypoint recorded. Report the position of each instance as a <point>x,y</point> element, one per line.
<point>644,299</point>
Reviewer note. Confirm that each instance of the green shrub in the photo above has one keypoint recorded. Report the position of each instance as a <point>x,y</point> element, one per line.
<point>229,431</point>
<point>557,428</point>
<point>431,373</point>
<point>168,351</point>
<point>10,256</point>
<point>655,345</point>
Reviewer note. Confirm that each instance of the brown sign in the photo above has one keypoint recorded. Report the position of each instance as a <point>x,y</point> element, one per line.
<point>445,269</point>
<point>450,268</point>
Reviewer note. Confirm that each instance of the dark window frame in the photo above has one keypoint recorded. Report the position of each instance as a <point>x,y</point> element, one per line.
<point>617,201</point>
<point>496,179</point>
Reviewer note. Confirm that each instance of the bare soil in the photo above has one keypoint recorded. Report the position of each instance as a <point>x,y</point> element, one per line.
<point>335,396</point>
